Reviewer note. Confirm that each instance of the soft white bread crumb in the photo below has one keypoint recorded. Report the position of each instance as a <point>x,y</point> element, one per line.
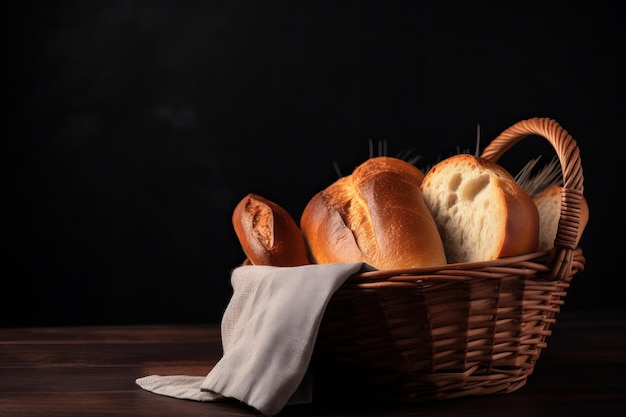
<point>549,206</point>
<point>481,212</point>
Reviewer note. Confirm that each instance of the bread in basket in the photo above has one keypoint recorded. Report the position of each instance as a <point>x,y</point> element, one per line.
<point>442,330</point>
<point>455,330</point>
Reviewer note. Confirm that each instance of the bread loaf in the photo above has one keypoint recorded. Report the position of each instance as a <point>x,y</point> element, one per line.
<point>548,204</point>
<point>481,212</point>
<point>375,215</point>
<point>268,234</point>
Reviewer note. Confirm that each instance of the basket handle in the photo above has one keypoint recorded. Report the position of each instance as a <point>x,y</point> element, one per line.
<point>572,192</point>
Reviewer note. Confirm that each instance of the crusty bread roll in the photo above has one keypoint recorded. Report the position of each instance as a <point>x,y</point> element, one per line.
<point>481,212</point>
<point>548,204</point>
<point>267,233</point>
<point>375,215</point>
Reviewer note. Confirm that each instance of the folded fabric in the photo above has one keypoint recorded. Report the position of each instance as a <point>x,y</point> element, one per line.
<point>269,330</point>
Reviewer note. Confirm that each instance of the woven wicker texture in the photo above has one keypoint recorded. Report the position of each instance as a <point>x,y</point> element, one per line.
<point>460,329</point>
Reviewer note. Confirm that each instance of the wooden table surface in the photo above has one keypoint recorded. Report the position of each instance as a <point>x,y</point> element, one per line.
<point>91,371</point>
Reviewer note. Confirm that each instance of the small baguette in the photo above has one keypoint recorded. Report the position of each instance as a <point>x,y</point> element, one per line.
<point>267,233</point>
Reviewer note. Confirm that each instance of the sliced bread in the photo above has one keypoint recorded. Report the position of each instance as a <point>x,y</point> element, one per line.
<point>481,212</point>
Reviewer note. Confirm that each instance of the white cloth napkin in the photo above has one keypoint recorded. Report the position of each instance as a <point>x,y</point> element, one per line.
<point>269,330</point>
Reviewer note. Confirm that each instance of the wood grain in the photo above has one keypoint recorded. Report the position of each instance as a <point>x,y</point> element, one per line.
<point>90,371</point>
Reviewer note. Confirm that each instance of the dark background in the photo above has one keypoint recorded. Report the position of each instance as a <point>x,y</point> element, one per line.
<point>131,129</point>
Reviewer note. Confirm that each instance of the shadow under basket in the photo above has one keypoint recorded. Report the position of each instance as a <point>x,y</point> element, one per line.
<point>455,330</point>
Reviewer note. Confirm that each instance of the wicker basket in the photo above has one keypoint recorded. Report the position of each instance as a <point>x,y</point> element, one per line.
<point>458,330</point>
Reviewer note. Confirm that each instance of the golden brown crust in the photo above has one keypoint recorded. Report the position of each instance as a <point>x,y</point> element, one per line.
<point>521,233</point>
<point>267,233</point>
<point>375,215</point>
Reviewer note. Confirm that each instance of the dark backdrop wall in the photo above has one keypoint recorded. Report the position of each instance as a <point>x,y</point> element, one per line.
<point>132,128</point>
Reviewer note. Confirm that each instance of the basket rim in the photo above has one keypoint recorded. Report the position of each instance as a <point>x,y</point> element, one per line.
<point>503,261</point>
<point>532,263</point>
